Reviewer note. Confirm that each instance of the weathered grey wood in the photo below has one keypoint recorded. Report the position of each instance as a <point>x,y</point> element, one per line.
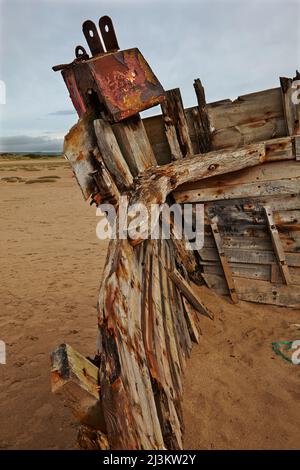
<point>250,271</point>
<point>192,320</point>
<point>261,173</point>
<point>248,256</point>
<point>76,378</point>
<point>224,261</point>
<point>297,147</point>
<point>188,292</point>
<point>247,108</point>
<point>81,151</point>
<point>176,128</point>
<point>201,120</point>
<point>112,155</point>
<point>260,189</point>
<point>266,293</point>
<point>134,144</point>
<point>248,133</point>
<point>280,255</point>
<point>291,105</point>
<point>154,187</point>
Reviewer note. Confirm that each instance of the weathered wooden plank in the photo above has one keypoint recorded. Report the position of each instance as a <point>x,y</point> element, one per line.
<point>76,378</point>
<point>271,172</point>
<point>257,291</point>
<point>248,256</point>
<point>201,120</point>
<point>266,293</point>
<point>155,187</point>
<point>134,144</point>
<point>187,291</point>
<point>250,271</point>
<point>112,155</point>
<point>297,147</point>
<point>176,127</point>
<point>192,320</point>
<point>257,189</point>
<point>280,255</point>
<point>246,108</point>
<point>291,104</point>
<point>288,218</point>
<point>81,151</point>
<point>248,133</point>
<point>224,261</point>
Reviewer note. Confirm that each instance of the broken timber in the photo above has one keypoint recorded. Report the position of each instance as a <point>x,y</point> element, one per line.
<point>241,160</point>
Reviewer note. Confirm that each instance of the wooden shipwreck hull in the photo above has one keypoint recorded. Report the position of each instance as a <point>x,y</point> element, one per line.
<point>241,159</point>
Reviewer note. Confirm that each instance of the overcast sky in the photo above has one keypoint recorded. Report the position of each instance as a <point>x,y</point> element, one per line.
<point>235,47</point>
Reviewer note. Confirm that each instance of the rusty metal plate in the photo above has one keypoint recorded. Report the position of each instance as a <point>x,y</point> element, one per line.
<point>122,80</point>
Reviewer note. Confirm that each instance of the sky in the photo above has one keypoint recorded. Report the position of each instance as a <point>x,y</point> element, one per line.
<point>233,46</point>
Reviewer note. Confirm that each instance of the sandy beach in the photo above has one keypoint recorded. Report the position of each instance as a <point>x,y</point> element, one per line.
<point>238,393</point>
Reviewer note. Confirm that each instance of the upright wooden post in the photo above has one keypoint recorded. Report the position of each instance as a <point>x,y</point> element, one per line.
<point>224,261</point>
<point>176,127</point>
<point>201,120</point>
<point>279,252</point>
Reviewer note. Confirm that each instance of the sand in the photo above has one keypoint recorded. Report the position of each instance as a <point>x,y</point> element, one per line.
<point>238,393</point>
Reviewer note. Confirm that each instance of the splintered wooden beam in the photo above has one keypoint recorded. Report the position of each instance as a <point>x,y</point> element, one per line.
<point>280,255</point>
<point>224,261</point>
<point>82,152</point>
<point>112,155</point>
<point>76,378</point>
<point>290,99</point>
<point>134,144</point>
<point>201,120</point>
<point>189,293</point>
<point>176,127</point>
<point>154,186</point>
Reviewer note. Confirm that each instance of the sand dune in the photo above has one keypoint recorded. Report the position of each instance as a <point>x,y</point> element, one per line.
<point>238,394</point>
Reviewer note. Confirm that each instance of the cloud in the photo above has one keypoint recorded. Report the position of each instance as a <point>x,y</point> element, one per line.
<point>26,143</point>
<point>62,112</point>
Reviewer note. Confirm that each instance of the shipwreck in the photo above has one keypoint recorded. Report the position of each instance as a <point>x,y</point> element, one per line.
<point>241,159</point>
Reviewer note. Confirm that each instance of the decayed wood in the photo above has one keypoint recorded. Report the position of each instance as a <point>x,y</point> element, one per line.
<point>76,378</point>
<point>262,173</point>
<point>192,320</point>
<point>224,261</point>
<point>188,292</point>
<point>248,133</point>
<point>235,191</point>
<point>81,151</point>
<point>91,439</point>
<point>266,293</point>
<point>134,144</point>
<point>176,128</point>
<point>297,147</point>
<point>247,108</point>
<point>251,271</point>
<point>201,120</point>
<point>154,187</point>
<point>280,255</point>
<point>112,155</point>
<point>291,104</point>
<point>248,256</point>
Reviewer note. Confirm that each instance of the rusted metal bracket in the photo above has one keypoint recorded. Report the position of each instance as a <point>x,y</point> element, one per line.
<point>114,84</point>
